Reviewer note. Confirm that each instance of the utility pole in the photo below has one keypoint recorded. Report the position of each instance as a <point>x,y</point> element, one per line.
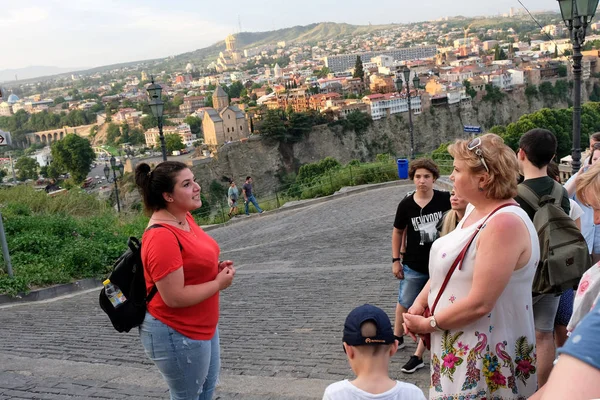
<point>12,167</point>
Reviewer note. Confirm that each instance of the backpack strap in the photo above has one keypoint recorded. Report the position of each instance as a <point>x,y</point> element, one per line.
<point>154,288</point>
<point>557,194</point>
<point>529,196</point>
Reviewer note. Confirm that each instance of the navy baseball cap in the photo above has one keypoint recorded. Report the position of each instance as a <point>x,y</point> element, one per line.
<point>362,314</point>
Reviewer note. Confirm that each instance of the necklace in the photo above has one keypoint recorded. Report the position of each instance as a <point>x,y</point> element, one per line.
<point>175,218</point>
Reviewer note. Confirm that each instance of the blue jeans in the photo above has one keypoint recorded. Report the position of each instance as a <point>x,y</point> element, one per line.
<point>252,199</point>
<point>410,286</point>
<point>190,367</point>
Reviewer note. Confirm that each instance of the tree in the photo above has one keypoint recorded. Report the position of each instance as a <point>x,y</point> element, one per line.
<point>148,122</point>
<point>112,133</point>
<point>272,127</point>
<point>235,89</point>
<point>59,100</point>
<point>469,89</point>
<point>299,125</point>
<point>174,142</point>
<point>136,136</point>
<point>499,53</point>
<point>28,168</point>
<point>358,69</point>
<point>323,72</point>
<point>562,70</point>
<point>195,124</point>
<point>73,154</point>
<point>209,100</point>
<point>124,133</point>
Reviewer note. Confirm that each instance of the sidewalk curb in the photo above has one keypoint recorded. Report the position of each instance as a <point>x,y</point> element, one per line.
<point>52,292</point>
<point>318,200</point>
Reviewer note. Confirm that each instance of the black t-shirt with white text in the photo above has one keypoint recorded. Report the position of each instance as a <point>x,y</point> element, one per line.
<point>421,224</point>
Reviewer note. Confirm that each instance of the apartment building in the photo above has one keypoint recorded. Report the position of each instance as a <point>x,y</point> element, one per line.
<point>384,105</point>
<point>343,62</point>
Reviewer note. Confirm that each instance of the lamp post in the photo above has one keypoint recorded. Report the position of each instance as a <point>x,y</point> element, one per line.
<point>577,15</point>
<point>114,167</point>
<point>406,73</point>
<point>157,108</point>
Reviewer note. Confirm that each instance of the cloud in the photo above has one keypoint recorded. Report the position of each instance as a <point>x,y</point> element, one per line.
<point>22,16</point>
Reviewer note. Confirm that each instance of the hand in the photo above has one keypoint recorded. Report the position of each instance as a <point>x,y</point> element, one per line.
<point>225,264</point>
<point>225,277</point>
<point>416,324</point>
<point>416,309</point>
<point>397,270</point>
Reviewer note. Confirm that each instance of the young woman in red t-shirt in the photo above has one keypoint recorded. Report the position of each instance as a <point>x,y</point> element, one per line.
<point>180,331</point>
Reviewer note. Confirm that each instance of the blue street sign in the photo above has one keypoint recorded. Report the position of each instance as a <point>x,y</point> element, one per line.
<point>473,129</point>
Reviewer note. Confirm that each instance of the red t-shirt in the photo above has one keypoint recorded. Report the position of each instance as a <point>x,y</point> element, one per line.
<point>199,257</point>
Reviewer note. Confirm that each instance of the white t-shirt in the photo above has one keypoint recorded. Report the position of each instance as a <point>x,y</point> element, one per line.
<point>344,390</point>
<point>576,210</point>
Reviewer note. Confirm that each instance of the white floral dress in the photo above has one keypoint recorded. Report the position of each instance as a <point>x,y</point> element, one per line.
<point>493,357</point>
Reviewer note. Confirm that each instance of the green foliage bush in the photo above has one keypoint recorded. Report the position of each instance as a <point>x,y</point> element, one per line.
<point>59,239</point>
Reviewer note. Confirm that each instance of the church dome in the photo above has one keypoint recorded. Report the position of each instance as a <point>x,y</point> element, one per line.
<point>13,98</point>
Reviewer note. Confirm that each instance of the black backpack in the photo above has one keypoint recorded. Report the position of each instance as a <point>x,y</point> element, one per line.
<point>128,275</point>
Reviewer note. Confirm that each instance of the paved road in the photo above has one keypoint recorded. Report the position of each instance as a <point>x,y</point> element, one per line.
<point>299,273</point>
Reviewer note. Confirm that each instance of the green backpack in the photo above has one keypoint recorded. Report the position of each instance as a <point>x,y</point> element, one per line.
<point>564,254</point>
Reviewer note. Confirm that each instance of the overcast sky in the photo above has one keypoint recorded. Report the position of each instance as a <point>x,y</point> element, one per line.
<point>88,33</point>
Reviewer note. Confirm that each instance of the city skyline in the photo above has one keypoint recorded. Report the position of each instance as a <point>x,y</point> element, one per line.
<point>83,33</point>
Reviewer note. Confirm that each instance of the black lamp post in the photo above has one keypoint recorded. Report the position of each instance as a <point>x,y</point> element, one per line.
<point>114,167</point>
<point>157,107</point>
<point>577,15</point>
<point>406,73</point>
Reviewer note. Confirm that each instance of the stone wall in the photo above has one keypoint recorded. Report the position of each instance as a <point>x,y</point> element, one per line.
<point>440,124</point>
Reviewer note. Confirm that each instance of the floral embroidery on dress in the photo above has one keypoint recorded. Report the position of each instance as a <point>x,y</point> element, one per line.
<point>583,285</point>
<point>492,371</point>
<point>452,299</point>
<point>507,362</point>
<point>450,354</point>
<point>473,375</point>
<point>481,394</point>
<point>436,381</point>
<point>524,361</point>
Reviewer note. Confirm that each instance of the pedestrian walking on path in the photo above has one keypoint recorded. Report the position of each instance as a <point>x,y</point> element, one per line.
<point>180,333</point>
<point>232,198</point>
<point>249,197</point>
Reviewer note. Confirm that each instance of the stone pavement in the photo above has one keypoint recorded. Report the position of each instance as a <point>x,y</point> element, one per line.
<point>299,274</point>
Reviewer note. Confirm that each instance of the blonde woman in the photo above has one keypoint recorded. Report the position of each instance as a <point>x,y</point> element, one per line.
<point>453,216</point>
<point>482,331</point>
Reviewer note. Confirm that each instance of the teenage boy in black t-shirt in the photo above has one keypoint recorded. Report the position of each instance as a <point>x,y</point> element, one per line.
<point>417,217</point>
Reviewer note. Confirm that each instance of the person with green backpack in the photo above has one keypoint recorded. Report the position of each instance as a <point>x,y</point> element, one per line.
<point>564,254</point>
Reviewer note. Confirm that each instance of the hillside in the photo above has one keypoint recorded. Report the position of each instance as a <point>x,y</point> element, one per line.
<point>312,33</point>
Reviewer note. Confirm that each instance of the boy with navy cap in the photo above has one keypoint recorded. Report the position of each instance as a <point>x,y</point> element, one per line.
<point>369,343</point>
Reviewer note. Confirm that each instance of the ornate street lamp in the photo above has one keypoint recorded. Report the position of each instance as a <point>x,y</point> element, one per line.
<point>114,167</point>
<point>577,15</point>
<point>157,107</point>
<point>406,73</point>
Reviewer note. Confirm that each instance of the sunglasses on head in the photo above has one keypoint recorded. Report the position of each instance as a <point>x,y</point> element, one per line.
<point>475,146</point>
